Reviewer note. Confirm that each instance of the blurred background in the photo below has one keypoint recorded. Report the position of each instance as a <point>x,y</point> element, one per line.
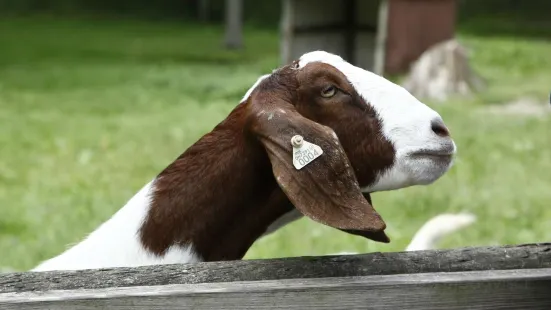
<point>97,96</point>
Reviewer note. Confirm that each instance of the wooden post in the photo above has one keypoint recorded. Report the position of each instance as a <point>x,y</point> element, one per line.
<point>336,26</point>
<point>350,7</point>
<point>203,10</point>
<point>510,277</point>
<point>234,24</point>
<point>380,41</point>
<point>286,30</point>
<point>499,289</point>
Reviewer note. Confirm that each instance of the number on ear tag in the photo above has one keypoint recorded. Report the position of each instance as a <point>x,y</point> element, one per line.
<point>304,152</point>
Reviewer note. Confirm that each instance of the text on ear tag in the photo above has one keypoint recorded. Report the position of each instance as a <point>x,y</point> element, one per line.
<point>304,152</point>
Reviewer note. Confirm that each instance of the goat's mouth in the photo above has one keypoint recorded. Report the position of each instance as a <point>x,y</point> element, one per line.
<point>439,159</point>
<point>439,154</point>
<point>432,155</point>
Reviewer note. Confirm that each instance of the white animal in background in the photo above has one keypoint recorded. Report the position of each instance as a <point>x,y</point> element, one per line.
<point>438,227</point>
<point>428,236</point>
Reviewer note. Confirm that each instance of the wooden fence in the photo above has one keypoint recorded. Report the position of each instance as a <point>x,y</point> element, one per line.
<point>513,277</point>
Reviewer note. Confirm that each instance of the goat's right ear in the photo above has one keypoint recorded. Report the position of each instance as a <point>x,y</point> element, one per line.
<point>326,189</point>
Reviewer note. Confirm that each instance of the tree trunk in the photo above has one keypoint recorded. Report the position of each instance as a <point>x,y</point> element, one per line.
<point>203,10</point>
<point>234,24</point>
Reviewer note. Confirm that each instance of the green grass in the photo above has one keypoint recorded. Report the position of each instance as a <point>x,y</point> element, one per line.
<point>91,110</point>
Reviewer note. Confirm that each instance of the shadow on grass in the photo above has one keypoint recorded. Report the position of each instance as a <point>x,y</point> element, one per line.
<point>47,39</point>
<point>510,18</point>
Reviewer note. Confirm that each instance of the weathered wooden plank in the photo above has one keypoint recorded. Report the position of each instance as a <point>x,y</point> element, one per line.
<point>465,259</point>
<point>500,289</point>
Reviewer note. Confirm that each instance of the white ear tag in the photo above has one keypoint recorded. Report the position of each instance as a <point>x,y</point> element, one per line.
<point>304,152</point>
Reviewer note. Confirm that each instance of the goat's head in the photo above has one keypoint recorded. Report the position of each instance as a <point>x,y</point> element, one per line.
<point>374,136</point>
<point>392,140</point>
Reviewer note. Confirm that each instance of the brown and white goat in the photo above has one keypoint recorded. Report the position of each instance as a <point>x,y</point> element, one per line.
<point>238,182</point>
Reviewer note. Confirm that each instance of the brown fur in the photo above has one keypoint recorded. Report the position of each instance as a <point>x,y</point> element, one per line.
<point>220,195</point>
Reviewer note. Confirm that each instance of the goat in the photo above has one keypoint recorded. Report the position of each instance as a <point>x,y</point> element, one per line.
<point>238,182</point>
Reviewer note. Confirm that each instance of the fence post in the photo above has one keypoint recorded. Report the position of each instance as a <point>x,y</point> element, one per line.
<point>234,24</point>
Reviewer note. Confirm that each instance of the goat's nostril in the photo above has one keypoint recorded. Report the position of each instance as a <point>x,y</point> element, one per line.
<point>439,128</point>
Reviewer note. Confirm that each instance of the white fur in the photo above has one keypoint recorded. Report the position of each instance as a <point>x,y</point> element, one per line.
<point>248,93</point>
<point>406,123</point>
<point>116,243</point>
<point>433,230</point>
<point>436,228</point>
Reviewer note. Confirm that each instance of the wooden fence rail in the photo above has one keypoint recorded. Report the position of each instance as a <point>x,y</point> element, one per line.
<point>512,277</point>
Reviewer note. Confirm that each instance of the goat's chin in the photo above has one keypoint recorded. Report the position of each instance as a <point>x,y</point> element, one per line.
<point>411,171</point>
<point>426,170</point>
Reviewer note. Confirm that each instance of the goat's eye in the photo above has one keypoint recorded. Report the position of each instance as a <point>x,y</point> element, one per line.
<point>328,92</point>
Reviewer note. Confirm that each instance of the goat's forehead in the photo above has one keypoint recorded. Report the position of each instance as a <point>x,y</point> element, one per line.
<point>376,90</point>
<point>364,81</point>
<point>369,85</point>
<point>319,56</point>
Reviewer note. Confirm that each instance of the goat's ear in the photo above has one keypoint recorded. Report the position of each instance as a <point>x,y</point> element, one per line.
<point>326,189</point>
<point>373,235</point>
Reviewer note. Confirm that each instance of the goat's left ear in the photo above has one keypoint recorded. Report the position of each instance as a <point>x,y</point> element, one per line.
<point>373,235</point>
<point>325,189</point>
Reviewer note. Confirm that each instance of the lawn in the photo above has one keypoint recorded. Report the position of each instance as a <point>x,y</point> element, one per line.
<point>91,110</point>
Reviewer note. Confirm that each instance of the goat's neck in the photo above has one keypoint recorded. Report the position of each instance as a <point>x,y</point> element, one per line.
<point>115,243</point>
<point>210,204</point>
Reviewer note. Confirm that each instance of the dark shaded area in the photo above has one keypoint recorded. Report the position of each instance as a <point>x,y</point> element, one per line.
<point>505,18</point>
<point>488,17</point>
<point>114,41</point>
<point>8,227</point>
<point>260,13</point>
